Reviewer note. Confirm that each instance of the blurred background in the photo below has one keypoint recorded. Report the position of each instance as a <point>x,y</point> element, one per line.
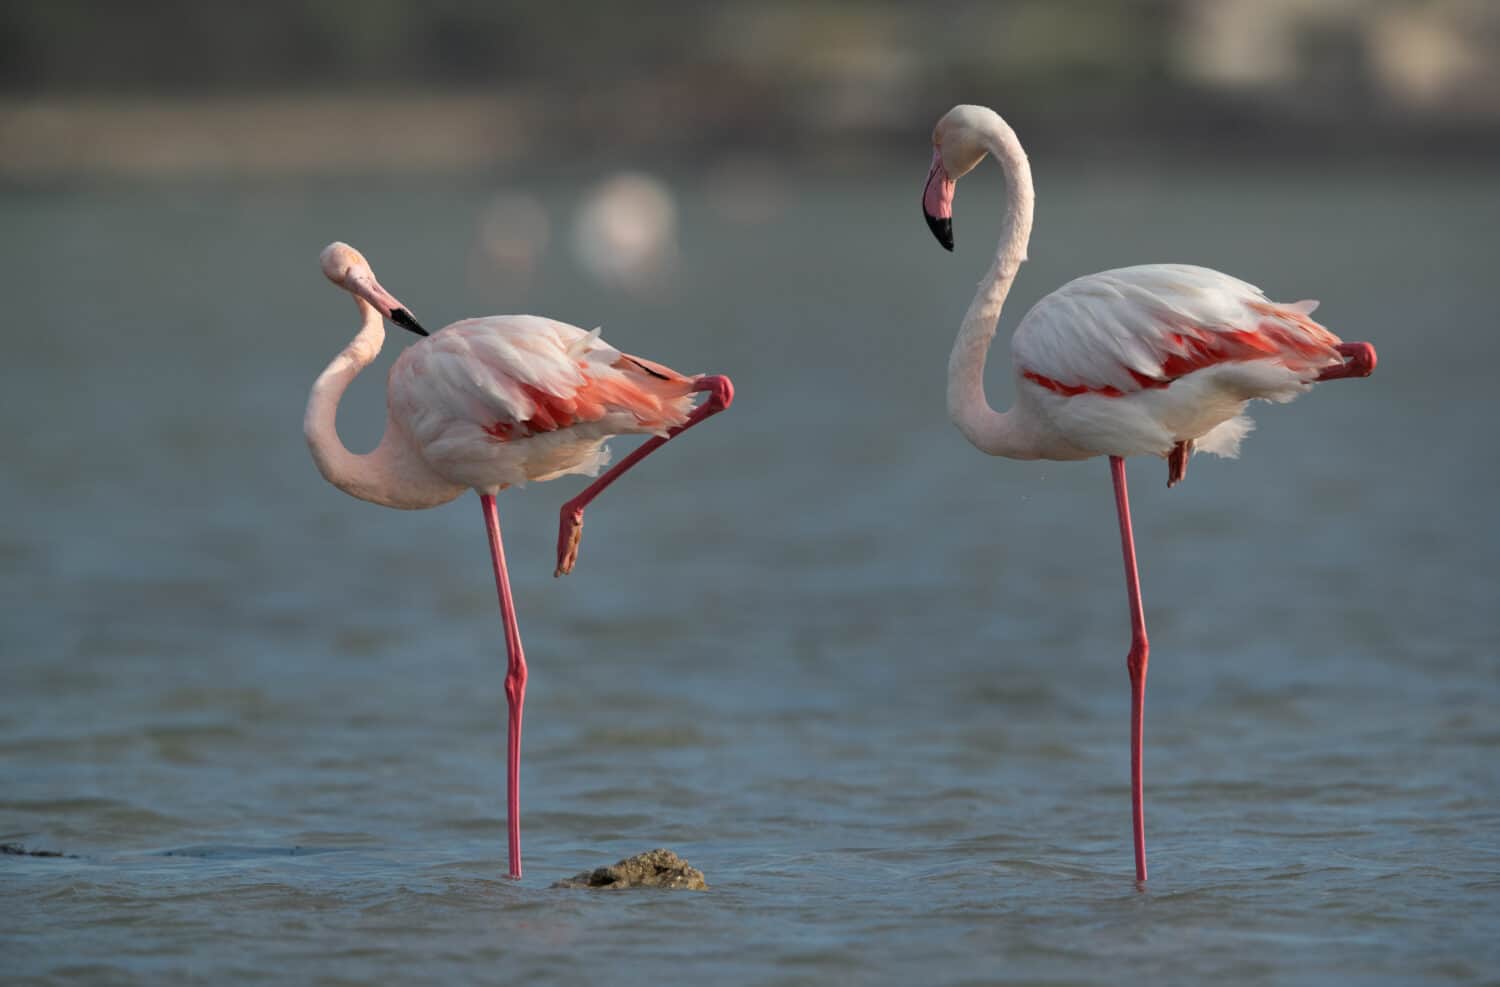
<point>867,679</point>
<point>164,89</point>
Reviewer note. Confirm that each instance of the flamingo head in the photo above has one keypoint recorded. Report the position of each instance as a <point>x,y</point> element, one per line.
<point>957,147</point>
<point>347,268</point>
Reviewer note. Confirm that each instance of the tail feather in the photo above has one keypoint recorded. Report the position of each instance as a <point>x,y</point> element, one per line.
<point>1224,439</point>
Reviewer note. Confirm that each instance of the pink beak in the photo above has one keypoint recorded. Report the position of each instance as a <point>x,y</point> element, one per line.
<point>385,303</point>
<point>937,201</point>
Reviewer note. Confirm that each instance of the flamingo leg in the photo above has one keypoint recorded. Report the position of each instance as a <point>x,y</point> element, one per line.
<point>515,684</point>
<point>1135,663</point>
<point>570,522</point>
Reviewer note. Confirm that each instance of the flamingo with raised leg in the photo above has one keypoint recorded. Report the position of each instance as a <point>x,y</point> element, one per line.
<point>487,404</point>
<point>1154,360</point>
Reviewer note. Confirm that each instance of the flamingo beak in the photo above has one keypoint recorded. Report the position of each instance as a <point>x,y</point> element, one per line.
<point>937,201</point>
<point>407,321</point>
<point>386,304</point>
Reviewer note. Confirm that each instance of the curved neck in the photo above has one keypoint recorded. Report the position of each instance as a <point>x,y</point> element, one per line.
<point>394,474</point>
<point>991,431</point>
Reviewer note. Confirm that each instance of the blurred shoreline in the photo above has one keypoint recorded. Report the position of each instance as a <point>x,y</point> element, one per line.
<point>60,139</point>
<point>158,90</point>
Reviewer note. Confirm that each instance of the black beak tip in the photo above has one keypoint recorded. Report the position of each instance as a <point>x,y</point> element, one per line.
<point>941,228</point>
<point>404,319</point>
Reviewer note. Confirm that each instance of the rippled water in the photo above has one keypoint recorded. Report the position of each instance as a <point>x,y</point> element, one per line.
<point>871,682</point>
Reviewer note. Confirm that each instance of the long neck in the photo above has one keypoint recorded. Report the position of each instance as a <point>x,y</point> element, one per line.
<point>394,474</point>
<point>991,431</point>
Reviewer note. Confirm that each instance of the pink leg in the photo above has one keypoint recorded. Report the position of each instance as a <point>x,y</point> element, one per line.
<point>515,684</point>
<point>1359,362</point>
<point>570,523</point>
<point>1135,663</point>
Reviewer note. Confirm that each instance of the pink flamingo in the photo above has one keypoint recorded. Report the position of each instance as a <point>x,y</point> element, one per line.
<point>1159,360</point>
<point>487,404</point>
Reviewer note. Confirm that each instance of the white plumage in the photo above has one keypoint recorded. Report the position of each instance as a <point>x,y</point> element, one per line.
<point>1135,360</point>
<point>469,394</point>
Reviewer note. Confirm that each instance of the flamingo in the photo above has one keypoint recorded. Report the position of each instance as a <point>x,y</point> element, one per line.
<point>487,404</point>
<point>1159,359</point>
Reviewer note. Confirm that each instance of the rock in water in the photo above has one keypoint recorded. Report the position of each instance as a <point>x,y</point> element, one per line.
<point>652,869</point>
<point>17,850</point>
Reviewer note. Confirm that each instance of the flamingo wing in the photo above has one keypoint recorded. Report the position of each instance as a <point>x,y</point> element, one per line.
<point>1137,328</point>
<point>513,377</point>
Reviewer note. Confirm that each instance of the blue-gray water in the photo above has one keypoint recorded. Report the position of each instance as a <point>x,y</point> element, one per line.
<point>870,681</point>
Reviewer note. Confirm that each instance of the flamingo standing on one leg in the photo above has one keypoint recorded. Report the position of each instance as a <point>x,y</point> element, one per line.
<point>487,403</point>
<point>1159,359</point>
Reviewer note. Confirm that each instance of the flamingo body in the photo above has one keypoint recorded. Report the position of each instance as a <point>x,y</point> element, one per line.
<point>494,402</point>
<point>1136,360</point>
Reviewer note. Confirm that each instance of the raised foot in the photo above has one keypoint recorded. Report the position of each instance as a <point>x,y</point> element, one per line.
<point>1359,361</point>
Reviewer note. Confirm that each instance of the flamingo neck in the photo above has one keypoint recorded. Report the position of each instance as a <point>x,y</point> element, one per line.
<point>393,474</point>
<point>993,432</point>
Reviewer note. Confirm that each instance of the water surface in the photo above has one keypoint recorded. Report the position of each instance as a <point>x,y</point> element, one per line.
<point>871,682</point>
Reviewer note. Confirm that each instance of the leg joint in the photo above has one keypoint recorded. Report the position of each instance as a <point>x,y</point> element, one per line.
<point>719,387</point>
<point>515,683</point>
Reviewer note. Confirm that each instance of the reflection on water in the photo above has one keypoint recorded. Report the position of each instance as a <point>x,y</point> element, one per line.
<point>870,681</point>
